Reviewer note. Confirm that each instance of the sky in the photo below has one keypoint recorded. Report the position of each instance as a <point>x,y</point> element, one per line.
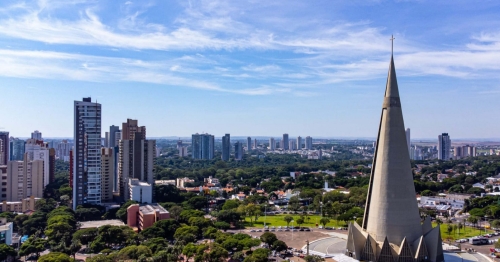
<point>250,67</point>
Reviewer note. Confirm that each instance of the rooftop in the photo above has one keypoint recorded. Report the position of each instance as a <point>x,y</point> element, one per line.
<point>152,208</point>
<point>100,223</point>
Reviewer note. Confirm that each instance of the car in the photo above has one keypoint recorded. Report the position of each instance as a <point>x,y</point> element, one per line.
<point>253,230</point>
<point>279,227</point>
<point>279,230</point>
<point>273,227</point>
<point>259,230</point>
<point>286,229</point>
<point>328,228</point>
<point>320,227</point>
<point>307,229</point>
<point>301,229</point>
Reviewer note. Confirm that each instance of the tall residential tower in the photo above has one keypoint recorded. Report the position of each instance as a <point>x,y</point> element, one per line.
<point>87,153</point>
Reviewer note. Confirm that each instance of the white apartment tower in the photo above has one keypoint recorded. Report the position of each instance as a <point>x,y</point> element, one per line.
<point>309,143</point>
<point>35,149</point>
<point>272,144</point>
<point>87,153</point>
<point>299,143</point>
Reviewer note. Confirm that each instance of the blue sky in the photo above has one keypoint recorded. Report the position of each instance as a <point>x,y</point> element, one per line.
<point>251,67</point>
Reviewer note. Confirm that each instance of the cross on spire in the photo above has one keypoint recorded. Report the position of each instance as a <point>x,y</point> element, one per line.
<point>392,43</point>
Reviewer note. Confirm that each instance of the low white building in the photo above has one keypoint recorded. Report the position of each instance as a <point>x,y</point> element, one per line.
<point>6,231</point>
<point>141,192</point>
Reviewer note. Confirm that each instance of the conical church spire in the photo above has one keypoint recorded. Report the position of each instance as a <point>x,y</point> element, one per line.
<point>391,208</point>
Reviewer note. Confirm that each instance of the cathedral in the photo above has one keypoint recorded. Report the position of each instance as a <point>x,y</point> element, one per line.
<point>392,230</point>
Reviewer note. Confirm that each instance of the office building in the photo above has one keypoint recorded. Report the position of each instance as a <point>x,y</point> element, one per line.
<point>62,150</point>
<point>114,137</point>
<point>37,135</point>
<point>408,141</point>
<point>238,150</point>
<point>4,147</point>
<point>140,191</point>
<point>299,143</point>
<point>24,179</point>
<point>272,144</point>
<point>391,229</point>
<point>202,146</point>
<point>444,147</point>
<point>309,143</point>
<point>141,217</point>
<point>87,153</point>
<point>6,232</point>
<point>107,173</point>
<point>135,158</point>
<point>249,143</point>
<point>226,147</point>
<point>16,149</point>
<point>284,141</point>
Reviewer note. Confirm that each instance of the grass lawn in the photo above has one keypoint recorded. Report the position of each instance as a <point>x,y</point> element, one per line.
<point>277,220</point>
<point>466,232</point>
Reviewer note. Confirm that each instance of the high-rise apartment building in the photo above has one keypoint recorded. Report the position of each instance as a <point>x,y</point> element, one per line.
<point>106,139</point>
<point>272,144</point>
<point>36,135</point>
<point>87,153</point>
<point>4,148</point>
<point>136,158</point>
<point>202,146</point>
<point>4,179</point>
<point>444,146</point>
<point>226,147</point>
<point>408,141</point>
<point>113,137</point>
<point>238,150</point>
<point>299,143</point>
<point>255,143</point>
<point>183,151</point>
<point>309,143</point>
<point>16,149</point>
<point>249,143</point>
<point>285,142</point>
<point>292,145</point>
<point>107,173</point>
<point>38,150</point>
<point>131,128</point>
<point>457,152</point>
<point>62,150</point>
<point>24,179</point>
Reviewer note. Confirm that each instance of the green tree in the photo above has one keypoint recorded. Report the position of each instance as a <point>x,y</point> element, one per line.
<point>222,225</point>
<point>313,258</point>
<point>258,255</point>
<point>216,254</point>
<point>134,252</point>
<point>300,221</point>
<point>189,250</point>
<point>175,212</point>
<point>86,235</point>
<point>268,238</point>
<point>230,204</point>
<point>294,203</point>
<point>324,221</point>
<point>473,220</point>
<point>288,219</point>
<point>6,251</point>
<point>54,257</point>
<point>74,248</point>
<point>186,234</point>
<point>279,246</point>
<point>34,245</point>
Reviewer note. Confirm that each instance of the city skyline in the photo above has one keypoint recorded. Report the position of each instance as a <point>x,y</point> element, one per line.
<point>195,66</point>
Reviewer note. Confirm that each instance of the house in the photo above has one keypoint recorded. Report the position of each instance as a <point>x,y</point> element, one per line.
<point>240,196</point>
